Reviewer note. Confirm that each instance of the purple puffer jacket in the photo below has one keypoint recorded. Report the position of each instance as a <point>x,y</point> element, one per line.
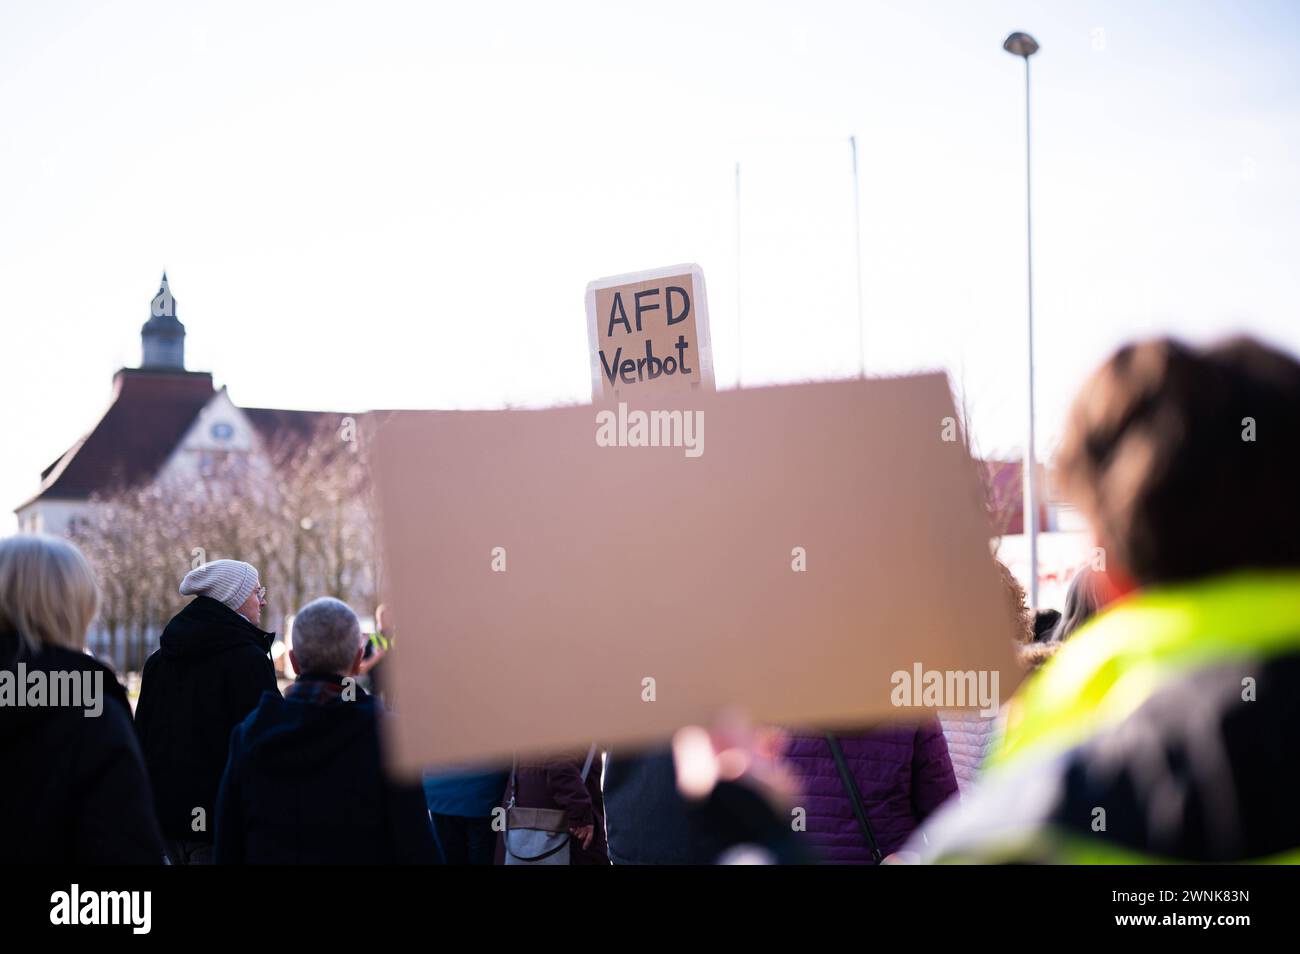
<point>903,773</point>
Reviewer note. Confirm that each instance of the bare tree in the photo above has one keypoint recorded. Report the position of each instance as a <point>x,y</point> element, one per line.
<point>300,513</point>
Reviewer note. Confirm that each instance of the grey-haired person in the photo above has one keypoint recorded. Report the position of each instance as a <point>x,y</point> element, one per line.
<point>305,783</point>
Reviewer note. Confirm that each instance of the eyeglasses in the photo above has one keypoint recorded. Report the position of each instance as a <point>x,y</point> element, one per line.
<point>261,594</point>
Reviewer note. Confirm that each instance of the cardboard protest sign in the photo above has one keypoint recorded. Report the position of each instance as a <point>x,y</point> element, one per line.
<point>649,333</point>
<point>614,573</point>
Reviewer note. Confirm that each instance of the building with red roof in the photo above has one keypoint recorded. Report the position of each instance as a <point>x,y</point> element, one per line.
<point>162,421</point>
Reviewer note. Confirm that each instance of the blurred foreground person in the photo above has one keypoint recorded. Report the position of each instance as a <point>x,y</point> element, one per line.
<point>211,668</point>
<point>740,794</point>
<point>305,783</point>
<point>1164,729</point>
<point>75,789</point>
<point>555,814</point>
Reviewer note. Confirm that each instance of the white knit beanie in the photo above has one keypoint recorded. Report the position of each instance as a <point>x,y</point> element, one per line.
<point>226,581</point>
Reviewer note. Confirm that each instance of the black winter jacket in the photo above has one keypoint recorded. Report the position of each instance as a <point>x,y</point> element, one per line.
<point>75,789</point>
<point>209,672</point>
<point>306,785</point>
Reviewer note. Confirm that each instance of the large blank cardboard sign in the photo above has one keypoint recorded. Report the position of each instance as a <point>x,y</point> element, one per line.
<point>649,333</point>
<point>600,572</point>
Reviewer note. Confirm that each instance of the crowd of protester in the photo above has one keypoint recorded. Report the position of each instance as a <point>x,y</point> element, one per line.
<point>1162,700</point>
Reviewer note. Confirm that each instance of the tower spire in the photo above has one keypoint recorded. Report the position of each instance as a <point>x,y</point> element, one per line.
<point>163,304</point>
<point>163,336</point>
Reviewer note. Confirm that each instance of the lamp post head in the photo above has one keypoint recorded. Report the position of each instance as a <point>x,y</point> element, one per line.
<point>1021,44</point>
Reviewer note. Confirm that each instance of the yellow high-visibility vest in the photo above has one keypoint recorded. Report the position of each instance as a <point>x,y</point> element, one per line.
<point>1137,646</point>
<point>1100,677</point>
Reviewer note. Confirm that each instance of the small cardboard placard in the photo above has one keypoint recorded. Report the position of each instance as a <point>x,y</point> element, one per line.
<point>791,551</point>
<point>649,333</point>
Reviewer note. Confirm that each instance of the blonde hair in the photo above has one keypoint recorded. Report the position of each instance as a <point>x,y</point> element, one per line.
<point>47,592</point>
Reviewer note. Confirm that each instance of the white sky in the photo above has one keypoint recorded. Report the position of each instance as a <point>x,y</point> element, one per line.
<point>399,205</point>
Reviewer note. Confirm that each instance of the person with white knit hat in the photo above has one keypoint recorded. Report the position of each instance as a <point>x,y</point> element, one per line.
<point>231,582</point>
<point>211,669</point>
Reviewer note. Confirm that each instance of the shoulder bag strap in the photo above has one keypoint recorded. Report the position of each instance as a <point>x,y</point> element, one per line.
<point>586,766</point>
<point>855,797</point>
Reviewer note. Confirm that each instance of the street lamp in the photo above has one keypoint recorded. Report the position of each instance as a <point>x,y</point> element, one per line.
<point>1022,44</point>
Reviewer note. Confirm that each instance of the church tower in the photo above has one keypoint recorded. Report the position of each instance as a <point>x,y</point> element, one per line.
<point>163,336</point>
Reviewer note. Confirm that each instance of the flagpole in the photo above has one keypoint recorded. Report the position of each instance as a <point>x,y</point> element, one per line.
<point>738,273</point>
<point>857,244</point>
